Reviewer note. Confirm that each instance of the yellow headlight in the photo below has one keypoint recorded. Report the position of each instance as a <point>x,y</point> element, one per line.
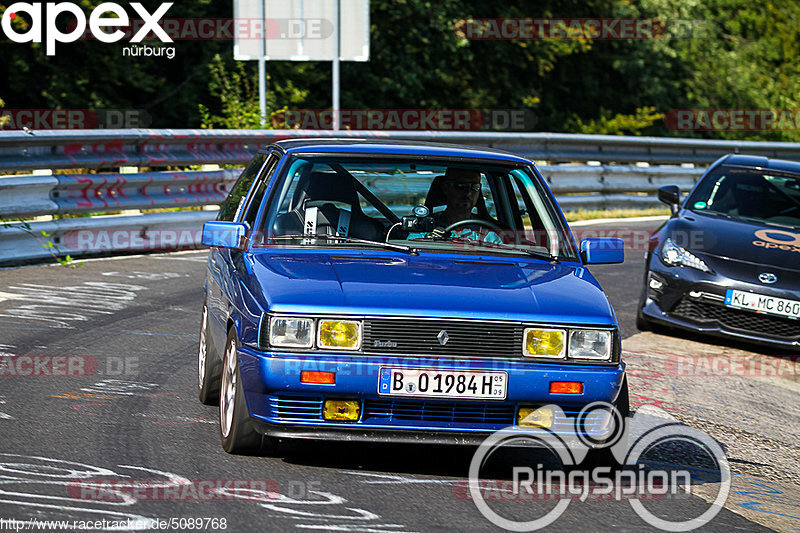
<point>339,334</point>
<point>535,417</point>
<point>545,342</point>
<point>344,410</point>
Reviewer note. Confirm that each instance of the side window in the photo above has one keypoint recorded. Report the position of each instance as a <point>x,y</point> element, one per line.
<point>533,227</point>
<point>233,203</point>
<point>257,196</point>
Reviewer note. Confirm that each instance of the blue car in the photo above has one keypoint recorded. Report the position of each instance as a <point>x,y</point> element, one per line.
<point>362,290</point>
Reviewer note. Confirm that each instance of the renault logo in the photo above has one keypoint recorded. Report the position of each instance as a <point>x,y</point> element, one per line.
<point>767,277</point>
<point>443,337</point>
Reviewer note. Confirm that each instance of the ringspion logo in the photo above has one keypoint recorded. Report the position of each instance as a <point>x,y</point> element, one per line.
<point>50,12</point>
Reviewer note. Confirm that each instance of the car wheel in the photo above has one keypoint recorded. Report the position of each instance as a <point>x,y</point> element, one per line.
<point>236,428</point>
<point>642,324</point>
<point>604,456</point>
<point>208,365</point>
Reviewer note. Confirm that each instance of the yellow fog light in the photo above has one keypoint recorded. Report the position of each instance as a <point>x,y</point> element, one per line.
<point>535,416</point>
<point>339,334</point>
<point>346,410</point>
<point>545,343</point>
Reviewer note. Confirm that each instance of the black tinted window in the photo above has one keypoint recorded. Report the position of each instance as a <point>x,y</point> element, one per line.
<point>236,198</point>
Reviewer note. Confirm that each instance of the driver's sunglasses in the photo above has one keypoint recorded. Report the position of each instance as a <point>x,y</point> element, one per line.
<point>464,186</point>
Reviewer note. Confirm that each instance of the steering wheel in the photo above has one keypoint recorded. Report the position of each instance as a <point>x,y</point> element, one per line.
<point>471,221</point>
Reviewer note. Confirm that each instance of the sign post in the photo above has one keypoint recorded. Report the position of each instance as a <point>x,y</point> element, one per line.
<point>302,30</point>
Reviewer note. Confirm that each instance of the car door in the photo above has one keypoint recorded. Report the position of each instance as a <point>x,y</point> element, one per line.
<point>220,282</point>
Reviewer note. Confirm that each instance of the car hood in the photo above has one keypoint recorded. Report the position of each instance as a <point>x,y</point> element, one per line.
<point>739,240</point>
<point>428,286</point>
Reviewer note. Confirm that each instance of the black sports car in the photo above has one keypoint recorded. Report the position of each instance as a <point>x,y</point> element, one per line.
<point>728,260</point>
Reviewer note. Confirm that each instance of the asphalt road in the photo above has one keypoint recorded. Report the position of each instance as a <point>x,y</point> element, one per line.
<point>111,403</point>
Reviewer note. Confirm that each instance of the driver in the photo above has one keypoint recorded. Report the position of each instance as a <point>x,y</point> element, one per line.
<point>461,189</point>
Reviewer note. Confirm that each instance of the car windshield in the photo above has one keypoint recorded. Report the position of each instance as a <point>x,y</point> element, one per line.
<point>749,194</point>
<point>419,205</point>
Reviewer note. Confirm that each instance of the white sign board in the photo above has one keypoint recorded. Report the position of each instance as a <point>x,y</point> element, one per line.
<point>301,30</point>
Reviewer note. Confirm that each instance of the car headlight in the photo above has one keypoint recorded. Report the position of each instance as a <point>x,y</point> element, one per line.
<point>288,332</point>
<point>339,334</point>
<point>674,255</point>
<point>545,342</point>
<point>590,344</point>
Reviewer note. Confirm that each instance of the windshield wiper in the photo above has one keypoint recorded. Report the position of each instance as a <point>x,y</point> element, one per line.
<point>748,219</point>
<point>547,256</point>
<point>717,213</point>
<point>398,247</point>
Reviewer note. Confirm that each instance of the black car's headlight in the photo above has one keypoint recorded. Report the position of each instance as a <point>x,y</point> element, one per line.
<point>674,255</point>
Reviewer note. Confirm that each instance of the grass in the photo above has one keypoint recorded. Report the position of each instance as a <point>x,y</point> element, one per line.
<point>584,214</point>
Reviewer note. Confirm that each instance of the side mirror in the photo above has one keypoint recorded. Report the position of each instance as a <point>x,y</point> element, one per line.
<point>670,195</point>
<point>602,250</point>
<point>224,234</point>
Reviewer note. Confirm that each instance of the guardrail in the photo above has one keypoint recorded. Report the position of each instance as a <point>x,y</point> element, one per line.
<point>592,186</point>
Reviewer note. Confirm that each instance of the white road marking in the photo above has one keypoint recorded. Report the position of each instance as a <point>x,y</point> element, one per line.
<point>387,479</point>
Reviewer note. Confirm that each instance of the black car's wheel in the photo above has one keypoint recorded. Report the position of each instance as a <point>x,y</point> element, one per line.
<point>208,365</point>
<point>642,324</point>
<point>236,428</point>
<point>604,456</point>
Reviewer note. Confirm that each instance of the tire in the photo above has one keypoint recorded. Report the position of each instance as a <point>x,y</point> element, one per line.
<point>237,431</point>
<point>604,456</point>
<point>209,368</point>
<point>642,324</point>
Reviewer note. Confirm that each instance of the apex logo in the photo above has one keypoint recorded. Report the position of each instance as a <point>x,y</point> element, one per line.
<point>96,23</point>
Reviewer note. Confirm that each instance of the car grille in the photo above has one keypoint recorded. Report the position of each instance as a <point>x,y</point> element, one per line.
<point>432,411</point>
<point>309,408</point>
<point>756,324</point>
<point>464,338</point>
<point>296,407</point>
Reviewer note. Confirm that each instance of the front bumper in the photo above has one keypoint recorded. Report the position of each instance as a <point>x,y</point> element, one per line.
<point>281,406</point>
<point>695,301</point>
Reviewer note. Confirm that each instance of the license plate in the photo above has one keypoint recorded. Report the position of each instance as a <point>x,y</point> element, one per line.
<point>764,304</point>
<point>442,383</point>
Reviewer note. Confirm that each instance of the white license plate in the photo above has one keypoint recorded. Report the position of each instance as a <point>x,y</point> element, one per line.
<point>442,383</point>
<point>764,304</point>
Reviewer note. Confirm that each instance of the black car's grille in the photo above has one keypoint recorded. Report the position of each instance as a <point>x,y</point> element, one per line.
<point>421,337</point>
<point>734,319</point>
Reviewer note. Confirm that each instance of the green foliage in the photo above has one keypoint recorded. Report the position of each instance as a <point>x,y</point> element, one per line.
<point>619,124</point>
<point>711,54</point>
<point>238,93</point>
<point>44,239</point>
